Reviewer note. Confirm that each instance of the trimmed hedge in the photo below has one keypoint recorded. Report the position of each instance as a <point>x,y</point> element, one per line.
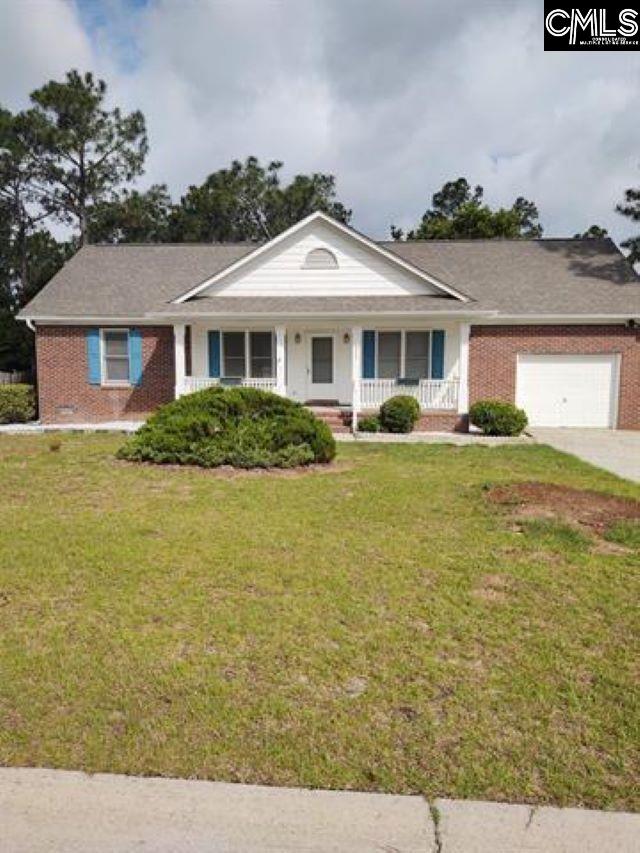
<point>495,417</point>
<point>399,414</point>
<point>17,403</point>
<point>242,427</point>
<point>369,423</point>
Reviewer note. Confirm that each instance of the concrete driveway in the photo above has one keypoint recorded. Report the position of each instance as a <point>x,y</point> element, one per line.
<point>617,451</point>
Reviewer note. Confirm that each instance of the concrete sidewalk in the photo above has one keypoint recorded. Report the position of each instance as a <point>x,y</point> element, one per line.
<point>62,811</point>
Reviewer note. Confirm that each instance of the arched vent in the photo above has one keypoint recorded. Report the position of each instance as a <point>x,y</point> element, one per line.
<point>320,259</point>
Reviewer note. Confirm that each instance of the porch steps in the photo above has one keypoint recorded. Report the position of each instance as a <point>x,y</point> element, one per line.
<point>338,420</point>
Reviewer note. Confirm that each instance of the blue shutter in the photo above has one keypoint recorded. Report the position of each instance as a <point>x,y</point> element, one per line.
<point>93,356</point>
<point>368,354</point>
<point>214,354</point>
<point>135,357</point>
<point>437,354</point>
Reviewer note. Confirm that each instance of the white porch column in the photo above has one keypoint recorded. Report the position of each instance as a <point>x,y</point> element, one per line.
<point>356,374</point>
<point>179,354</point>
<point>463,370</point>
<point>281,361</point>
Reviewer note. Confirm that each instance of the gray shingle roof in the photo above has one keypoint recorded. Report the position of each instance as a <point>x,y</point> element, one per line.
<point>567,277</point>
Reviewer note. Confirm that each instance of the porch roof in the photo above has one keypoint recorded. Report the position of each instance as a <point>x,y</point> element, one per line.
<point>221,306</point>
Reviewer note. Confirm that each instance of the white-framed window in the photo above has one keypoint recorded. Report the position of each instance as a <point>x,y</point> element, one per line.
<point>403,353</point>
<point>247,354</point>
<point>114,349</point>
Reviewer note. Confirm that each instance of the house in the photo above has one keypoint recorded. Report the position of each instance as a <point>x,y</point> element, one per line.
<point>326,316</point>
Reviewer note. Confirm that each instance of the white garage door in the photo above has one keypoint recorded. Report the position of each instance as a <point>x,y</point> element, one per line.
<point>568,390</point>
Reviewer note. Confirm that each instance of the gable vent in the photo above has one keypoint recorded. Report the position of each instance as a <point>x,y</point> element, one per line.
<point>320,259</point>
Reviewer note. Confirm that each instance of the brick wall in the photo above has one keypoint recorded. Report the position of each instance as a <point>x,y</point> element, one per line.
<point>493,351</point>
<point>65,395</point>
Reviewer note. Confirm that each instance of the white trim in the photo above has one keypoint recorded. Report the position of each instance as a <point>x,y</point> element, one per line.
<point>463,368</point>
<point>114,383</point>
<point>339,226</point>
<point>179,331</point>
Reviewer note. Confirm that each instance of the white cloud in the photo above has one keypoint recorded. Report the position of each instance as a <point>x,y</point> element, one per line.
<point>393,97</point>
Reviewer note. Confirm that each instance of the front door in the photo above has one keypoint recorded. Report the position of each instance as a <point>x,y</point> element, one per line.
<point>321,380</point>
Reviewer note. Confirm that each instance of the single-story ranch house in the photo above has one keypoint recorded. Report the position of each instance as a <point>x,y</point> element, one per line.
<point>328,317</point>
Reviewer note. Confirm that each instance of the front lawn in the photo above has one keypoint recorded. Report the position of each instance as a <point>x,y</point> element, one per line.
<point>379,625</point>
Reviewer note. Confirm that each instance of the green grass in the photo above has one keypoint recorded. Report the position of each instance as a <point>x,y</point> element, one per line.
<point>624,532</point>
<point>377,625</point>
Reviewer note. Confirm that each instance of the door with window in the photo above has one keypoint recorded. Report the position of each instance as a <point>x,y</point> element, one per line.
<point>321,379</point>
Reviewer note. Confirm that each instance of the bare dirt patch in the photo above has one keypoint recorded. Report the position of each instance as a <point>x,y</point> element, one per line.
<point>593,510</point>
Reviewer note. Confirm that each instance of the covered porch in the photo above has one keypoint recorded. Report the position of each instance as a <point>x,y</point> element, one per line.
<point>318,363</point>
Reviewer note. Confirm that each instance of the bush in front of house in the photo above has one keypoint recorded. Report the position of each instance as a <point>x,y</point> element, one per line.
<point>399,414</point>
<point>17,404</point>
<point>242,427</point>
<point>369,423</point>
<point>495,417</point>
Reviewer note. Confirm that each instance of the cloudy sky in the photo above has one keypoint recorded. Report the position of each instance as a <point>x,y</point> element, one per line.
<point>392,96</point>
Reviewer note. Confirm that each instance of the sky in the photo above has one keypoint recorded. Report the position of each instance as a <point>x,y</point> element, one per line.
<point>394,97</point>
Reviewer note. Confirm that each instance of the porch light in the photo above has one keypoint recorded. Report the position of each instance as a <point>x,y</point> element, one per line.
<point>346,338</point>
<point>298,337</point>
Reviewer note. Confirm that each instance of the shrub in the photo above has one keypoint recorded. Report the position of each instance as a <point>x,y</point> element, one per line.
<point>243,427</point>
<point>495,417</point>
<point>399,414</point>
<point>370,423</point>
<point>17,403</point>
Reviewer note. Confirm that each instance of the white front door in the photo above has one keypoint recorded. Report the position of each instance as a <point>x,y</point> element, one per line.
<point>321,367</point>
<point>568,390</point>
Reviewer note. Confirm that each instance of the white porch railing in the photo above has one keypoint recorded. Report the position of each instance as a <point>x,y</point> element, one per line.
<point>430,393</point>
<point>197,383</point>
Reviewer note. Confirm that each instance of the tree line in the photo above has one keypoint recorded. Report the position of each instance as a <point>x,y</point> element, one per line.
<point>70,160</point>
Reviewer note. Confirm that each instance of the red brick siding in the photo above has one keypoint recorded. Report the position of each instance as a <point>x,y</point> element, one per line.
<point>493,351</point>
<point>65,395</point>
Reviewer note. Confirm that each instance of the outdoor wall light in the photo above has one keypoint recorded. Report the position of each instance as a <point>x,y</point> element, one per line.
<point>298,337</point>
<point>346,337</point>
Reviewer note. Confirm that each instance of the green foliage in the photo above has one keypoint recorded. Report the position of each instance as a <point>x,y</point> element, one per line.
<point>247,202</point>
<point>631,209</point>
<point>625,532</point>
<point>370,423</point>
<point>83,151</point>
<point>458,213</point>
<point>17,404</point>
<point>496,417</point>
<point>594,232</point>
<point>134,217</point>
<point>242,427</point>
<point>399,414</point>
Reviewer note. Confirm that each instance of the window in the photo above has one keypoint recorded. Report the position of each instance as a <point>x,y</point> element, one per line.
<point>416,359</point>
<point>404,354</point>
<point>261,347</point>
<point>389,344</point>
<point>320,259</point>
<point>115,356</point>
<point>247,355</point>
<point>234,362</point>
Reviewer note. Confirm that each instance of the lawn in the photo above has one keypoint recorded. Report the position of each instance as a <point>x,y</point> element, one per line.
<point>377,625</point>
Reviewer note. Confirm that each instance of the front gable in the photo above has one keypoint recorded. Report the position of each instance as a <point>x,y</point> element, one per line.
<point>320,257</point>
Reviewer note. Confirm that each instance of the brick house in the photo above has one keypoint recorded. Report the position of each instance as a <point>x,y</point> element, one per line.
<point>328,317</point>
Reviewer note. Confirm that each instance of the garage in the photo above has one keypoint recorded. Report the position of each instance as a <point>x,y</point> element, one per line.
<point>568,390</point>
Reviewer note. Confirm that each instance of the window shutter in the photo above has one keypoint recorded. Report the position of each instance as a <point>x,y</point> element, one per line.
<point>437,354</point>
<point>93,356</point>
<point>135,357</point>
<point>368,354</point>
<point>214,354</point>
